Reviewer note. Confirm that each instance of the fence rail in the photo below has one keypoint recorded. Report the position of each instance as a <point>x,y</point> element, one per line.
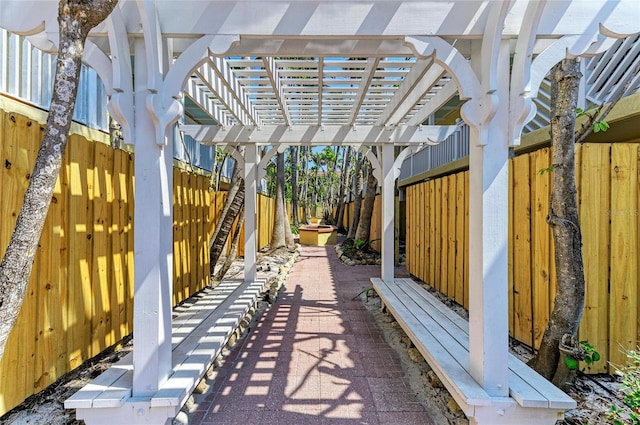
<point>79,297</point>
<point>608,188</point>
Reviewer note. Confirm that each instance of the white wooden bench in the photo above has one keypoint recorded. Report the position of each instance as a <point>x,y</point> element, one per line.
<point>201,329</point>
<point>442,337</point>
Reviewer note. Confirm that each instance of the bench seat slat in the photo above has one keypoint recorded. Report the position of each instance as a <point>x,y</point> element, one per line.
<point>466,390</point>
<point>193,356</point>
<point>520,389</point>
<point>201,328</point>
<point>526,386</point>
<point>84,398</point>
<point>556,397</point>
<point>117,393</point>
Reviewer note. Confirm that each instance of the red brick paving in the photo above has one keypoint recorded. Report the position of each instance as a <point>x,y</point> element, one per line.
<point>315,357</point>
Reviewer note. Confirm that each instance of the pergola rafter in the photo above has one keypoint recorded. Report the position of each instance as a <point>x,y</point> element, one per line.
<point>201,97</point>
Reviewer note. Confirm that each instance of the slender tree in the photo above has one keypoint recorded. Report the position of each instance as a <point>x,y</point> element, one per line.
<point>233,251</point>
<point>563,218</point>
<point>344,180</point>
<point>278,238</point>
<point>559,339</point>
<point>231,209</point>
<point>294,185</point>
<point>357,198</point>
<point>76,18</point>
<point>366,211</point>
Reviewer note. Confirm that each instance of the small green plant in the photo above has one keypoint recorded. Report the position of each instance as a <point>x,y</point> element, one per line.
<point>545,170</point>
<point>590,356</point>
<point>631,392</point>
<point>294,229</point>
<point>592,110</point>
<point>362,245</point>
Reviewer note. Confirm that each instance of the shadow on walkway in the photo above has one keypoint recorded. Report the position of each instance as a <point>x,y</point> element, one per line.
<point>315,357</point>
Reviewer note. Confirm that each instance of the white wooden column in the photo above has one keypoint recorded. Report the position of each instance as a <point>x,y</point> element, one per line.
<point>250,211</point>
<point>488,233</point>
<point>153,247</point>
<point>387,155</point>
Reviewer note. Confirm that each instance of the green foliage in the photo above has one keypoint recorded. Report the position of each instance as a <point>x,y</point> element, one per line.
<point>631,392</point>
<point>362,245</point>
<point>593,111</point>
<point>590,356</point>
<point>294,229</point>
<point>584,112</point>
<point>545,170</point>
<point>600,126</point>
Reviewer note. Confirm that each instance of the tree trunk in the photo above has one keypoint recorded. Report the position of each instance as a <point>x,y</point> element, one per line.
<point>232,206</point>
<point>366,212</point>
<point>357,200</point>
<point>294,185</point>
<point>76,18</point>
<point>278,235</point>
<point>233,252</point>
<point>289,240</point>
<point>344,180</point>
<point>563,218</point>
<point>305,184</point>
<point>288,234</point>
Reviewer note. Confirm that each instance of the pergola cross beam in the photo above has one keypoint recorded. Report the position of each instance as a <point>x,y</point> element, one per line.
<point>313,135</point>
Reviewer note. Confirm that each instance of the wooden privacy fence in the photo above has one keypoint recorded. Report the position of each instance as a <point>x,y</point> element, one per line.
<point>608,187</point>
<point>79,297</point>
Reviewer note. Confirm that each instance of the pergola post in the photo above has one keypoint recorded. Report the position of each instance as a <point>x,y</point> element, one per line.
<point>153,247</point>
<point>488,242</point>
<point>250,210</point>
<point>387,156</point>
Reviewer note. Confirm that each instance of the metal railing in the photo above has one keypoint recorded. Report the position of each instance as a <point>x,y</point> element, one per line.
<point>451,149</point>
<point>27,73</point>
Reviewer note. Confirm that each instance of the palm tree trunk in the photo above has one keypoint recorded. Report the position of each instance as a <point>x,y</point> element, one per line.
<point>294,185</point>
<point>232,206</point>
<point>366,212</point>
<point>344,179</point>
<point>357,202</point>
<point>233,251</point>
<point>278,236</point>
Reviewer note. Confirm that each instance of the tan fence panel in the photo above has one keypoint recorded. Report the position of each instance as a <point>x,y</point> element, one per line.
<point>79,297</point>
<point>595,192</point>
<point>18,153</point>
<point>521,234</point>
<point>412,239</point>
<point>460,241</point>
<point>376,224</point>
<point>623,320</point>
<point>608,187</point>
<point>541,241</point>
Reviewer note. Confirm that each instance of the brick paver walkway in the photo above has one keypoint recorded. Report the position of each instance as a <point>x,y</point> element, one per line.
<point>315,357</point>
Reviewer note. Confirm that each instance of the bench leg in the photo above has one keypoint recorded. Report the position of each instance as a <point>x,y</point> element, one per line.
<point>509,413</point>
<point>131,413</point>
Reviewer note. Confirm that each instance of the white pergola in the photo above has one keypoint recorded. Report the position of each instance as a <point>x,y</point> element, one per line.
<point>357,72</point>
